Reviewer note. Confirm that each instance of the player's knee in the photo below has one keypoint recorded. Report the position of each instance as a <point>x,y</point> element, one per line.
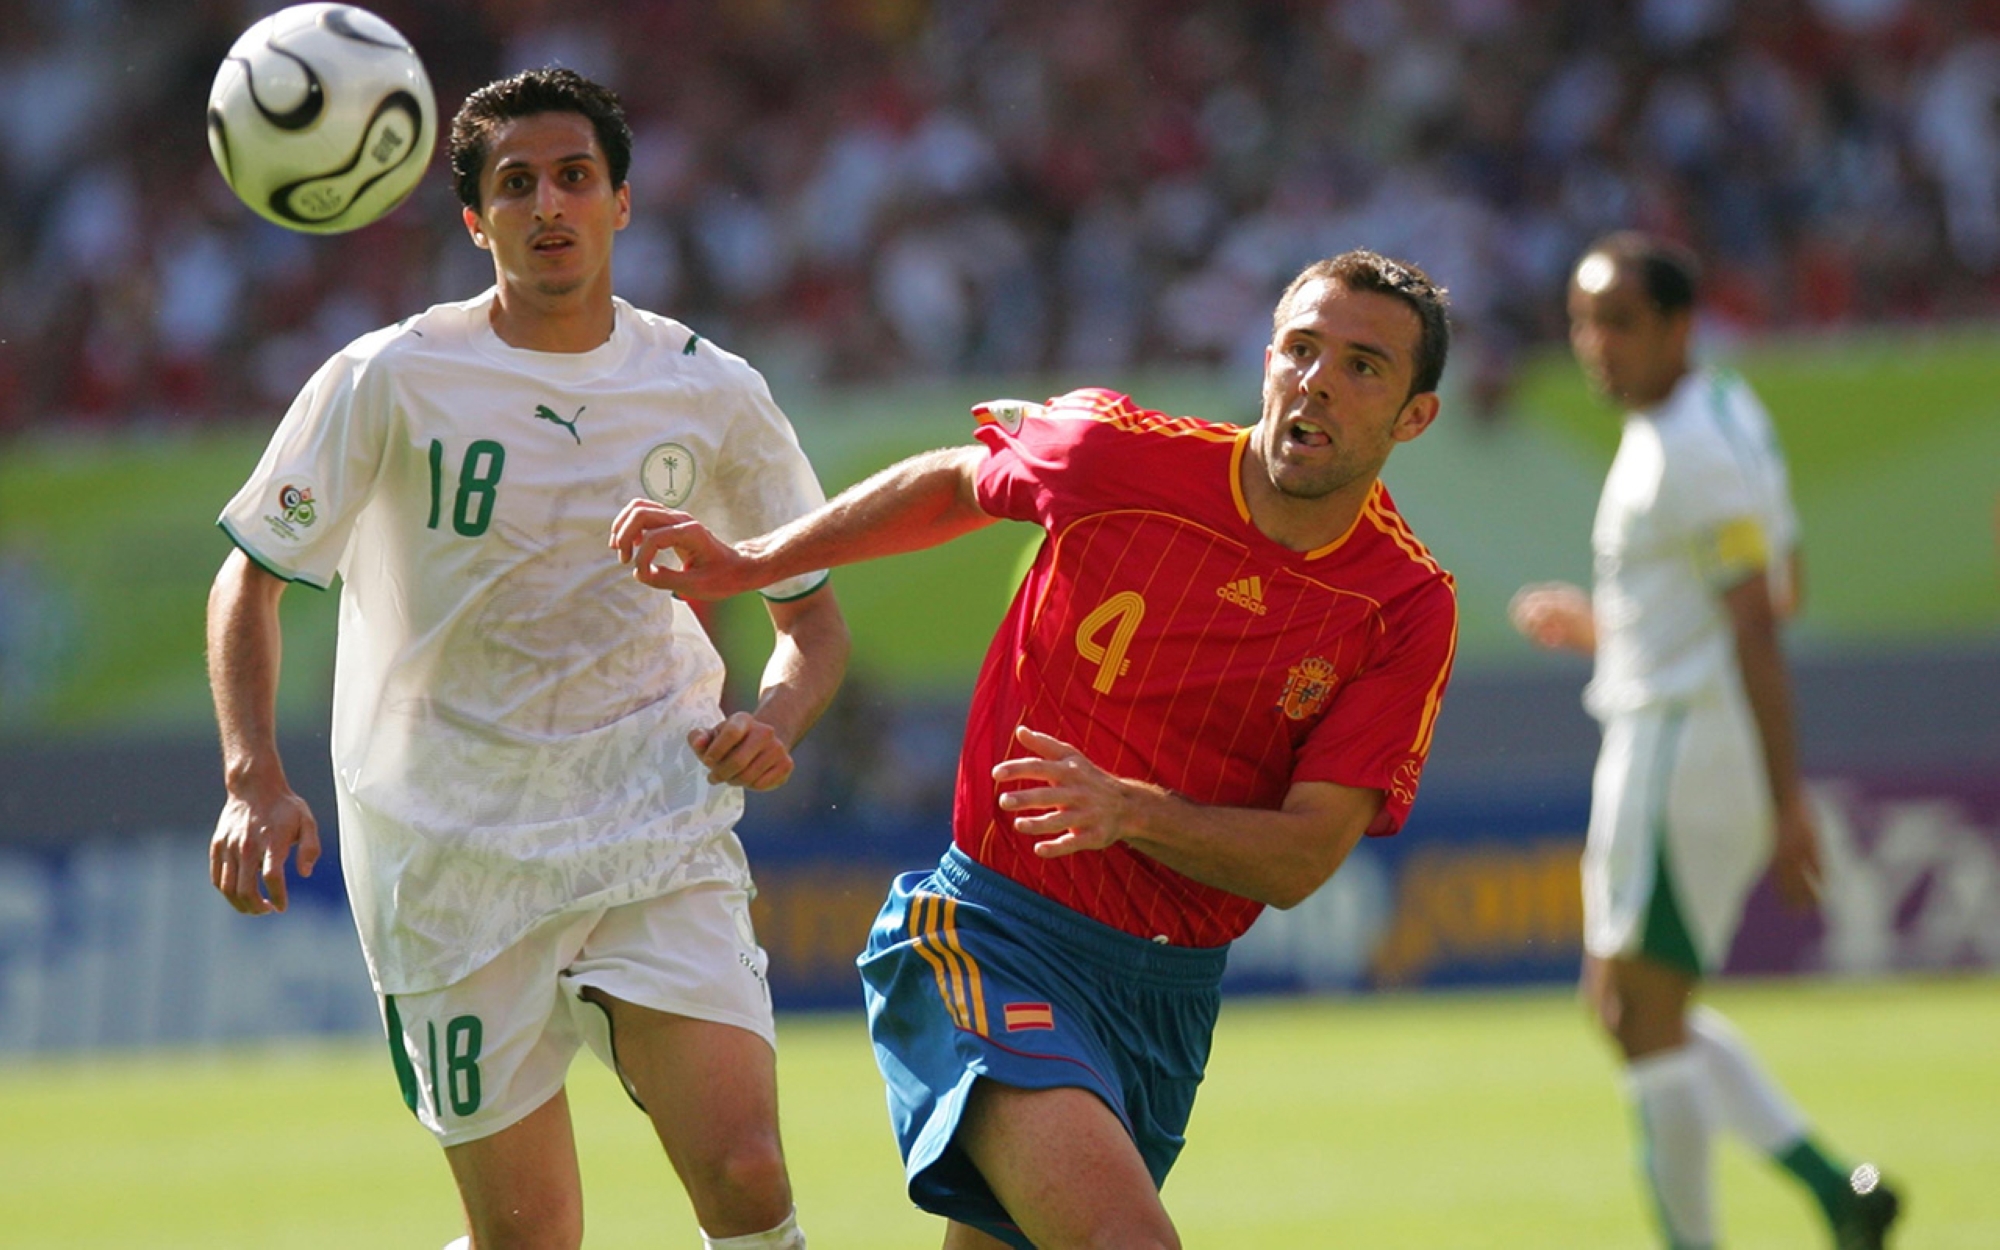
<point>750,1176</point>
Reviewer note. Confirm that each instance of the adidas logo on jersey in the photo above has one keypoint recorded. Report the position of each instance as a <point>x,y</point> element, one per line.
<point>1246,593</point>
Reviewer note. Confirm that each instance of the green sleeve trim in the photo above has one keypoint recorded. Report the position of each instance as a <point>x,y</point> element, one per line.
<point>222,523</point>
<point>813,589</point>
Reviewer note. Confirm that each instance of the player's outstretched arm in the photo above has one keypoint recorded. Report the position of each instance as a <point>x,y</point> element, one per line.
<point>1276,857</point>
<point>754,749</point>
<point>920,502</point>
<point>263,819</point>
<point>1554,615</point>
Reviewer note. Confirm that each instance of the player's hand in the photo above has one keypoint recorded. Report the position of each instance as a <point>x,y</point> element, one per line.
<point>1555,615</point>
<point>1078,806</point>
<point>743,751</point>
<point>1795,864</point>
<point>670,550</point>
<point>253,838</point>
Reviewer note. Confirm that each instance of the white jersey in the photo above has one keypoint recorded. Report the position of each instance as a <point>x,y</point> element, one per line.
<point>1697,499</point>
<point>511,708</point>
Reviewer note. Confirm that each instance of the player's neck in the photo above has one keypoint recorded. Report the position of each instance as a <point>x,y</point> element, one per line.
<point>1304,524</point>
<point>1659,393</point>
<point>573,321</point>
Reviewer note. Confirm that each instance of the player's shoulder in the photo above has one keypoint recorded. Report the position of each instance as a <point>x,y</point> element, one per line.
<point>440,329</point>
<point>1119,414</point>
<point>1709,418</point>
<point>1400,567</point>
<point>687,348</point>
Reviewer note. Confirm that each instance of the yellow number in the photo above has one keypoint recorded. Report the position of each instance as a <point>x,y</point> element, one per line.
<point>1126,608</point>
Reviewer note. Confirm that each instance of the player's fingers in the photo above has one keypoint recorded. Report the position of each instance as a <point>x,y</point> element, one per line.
<point>662,549</point>
<point>628,522</point>
<point>239,878</point>
<point>308,854</point>
<point>1008,771</point>
<point>771,770</point>
<point>272,874</point>
<point>1040,797</point>
<point>725,738</point>
<point>1045,745</point>
<point>1056,848</point>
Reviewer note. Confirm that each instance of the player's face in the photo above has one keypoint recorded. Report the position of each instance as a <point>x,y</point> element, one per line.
<point>1631,351</point>
<point>549,209</point>
<point>1336,390</point>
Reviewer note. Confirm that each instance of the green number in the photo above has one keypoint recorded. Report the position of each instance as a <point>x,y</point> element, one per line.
<point>478,484</point>
<point>437,476</point>
<point>462,1040</point>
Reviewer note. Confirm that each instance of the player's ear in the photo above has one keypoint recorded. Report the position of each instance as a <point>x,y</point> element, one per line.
<point>624,205</point>
<point>477,231</point>
<point>1418,412</point>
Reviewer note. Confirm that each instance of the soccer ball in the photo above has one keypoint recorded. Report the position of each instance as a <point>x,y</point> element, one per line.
<point>322,118</point>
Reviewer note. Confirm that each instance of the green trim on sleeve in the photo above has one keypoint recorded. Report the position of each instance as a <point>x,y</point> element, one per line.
<point>222,523</point>
<point>825,577</point>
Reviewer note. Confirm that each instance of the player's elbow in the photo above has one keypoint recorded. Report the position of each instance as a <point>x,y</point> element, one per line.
<point>1302,880</point>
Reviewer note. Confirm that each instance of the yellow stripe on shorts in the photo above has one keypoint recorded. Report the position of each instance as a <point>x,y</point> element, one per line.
<point>933,926</point>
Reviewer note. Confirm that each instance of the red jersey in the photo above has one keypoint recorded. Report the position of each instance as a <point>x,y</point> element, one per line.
<point>1164,636</point>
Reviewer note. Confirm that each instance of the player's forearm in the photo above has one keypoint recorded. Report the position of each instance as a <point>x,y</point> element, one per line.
<point>1274,857</point>
<point>808,660</point>
<point>245,653</point>
<point>918,503</point>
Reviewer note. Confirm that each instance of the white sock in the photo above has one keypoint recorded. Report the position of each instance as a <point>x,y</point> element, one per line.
<point>785,1236</point>
<point>1749,1102</point>
<point>1669,1089</point>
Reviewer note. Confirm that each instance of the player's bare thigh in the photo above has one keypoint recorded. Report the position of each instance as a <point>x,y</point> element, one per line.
<point>1064,1168</point>
<point>520,1187</point>
<point>711,1091</point>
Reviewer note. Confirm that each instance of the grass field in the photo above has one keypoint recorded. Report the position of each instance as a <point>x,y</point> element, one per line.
<point>1488,1121</point>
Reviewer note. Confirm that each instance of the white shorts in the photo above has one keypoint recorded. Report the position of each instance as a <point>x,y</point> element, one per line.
<point>1680,832</point>
<point>478,1055</point>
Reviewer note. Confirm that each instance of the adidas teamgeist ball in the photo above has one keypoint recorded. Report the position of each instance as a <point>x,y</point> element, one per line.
<point>322,118</point>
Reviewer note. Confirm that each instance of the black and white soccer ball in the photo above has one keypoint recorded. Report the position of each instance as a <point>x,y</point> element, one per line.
<point>322,118</point>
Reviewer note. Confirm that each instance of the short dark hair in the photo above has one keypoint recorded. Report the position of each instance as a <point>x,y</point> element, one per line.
<point>547,90</point>
<point>1363,270</point>
<point>1669,272</point>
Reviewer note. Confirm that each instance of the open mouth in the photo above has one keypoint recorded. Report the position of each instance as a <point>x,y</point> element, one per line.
<point>1307,434</point>
<point>551,244</point>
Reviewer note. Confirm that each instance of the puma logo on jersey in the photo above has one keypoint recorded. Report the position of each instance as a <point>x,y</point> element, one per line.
<point>1245,593</point>
<point>545,413</point>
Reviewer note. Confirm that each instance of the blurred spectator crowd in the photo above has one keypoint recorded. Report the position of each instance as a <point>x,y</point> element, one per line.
<point>857,190</point>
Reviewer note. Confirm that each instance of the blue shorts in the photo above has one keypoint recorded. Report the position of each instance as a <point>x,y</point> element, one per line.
<point>969,974</point>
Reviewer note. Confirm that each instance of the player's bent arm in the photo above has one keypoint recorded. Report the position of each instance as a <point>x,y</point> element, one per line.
<point>807,662</point>
<point>1279,858</point>
<point>1276,857</point>
<point>1767,686</point>
<point>917,503</point>
<point>263,818</point>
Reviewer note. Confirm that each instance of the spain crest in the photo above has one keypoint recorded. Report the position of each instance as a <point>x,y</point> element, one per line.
<point>1308,686</point>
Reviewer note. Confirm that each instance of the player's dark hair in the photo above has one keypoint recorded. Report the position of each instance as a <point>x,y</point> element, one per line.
<point>1669,272</point>
<point>1363,270</point>
<point>547,90</point>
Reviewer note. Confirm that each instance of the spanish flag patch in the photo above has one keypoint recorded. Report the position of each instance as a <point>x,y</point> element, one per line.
<point>1022,1016</point>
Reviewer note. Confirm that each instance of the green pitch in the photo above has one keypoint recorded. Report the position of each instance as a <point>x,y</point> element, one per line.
<point>1436,1121</point>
